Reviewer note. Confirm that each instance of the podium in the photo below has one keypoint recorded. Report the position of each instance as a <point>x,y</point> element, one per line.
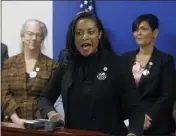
<point>12,129</point>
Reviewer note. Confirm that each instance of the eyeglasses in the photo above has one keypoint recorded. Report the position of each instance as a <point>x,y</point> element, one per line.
<point>31,34</point>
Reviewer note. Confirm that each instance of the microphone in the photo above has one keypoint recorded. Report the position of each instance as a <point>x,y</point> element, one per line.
<point>52,125</point>
<point>46,124</point>
<point>35,124</point>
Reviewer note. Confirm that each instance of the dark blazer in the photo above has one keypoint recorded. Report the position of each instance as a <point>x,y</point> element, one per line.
<point>174,107</point>
<point>111,97</point>
<point>174,112</point>
<point>4,53</point>
<point>156,89</point>
<point>61,54</point>
<point>18,92</point>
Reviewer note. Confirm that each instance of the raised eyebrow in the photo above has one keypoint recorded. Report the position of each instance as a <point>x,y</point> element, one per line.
<point>33,32</point>
<point>28,31</point>
<point>142,26</point>
<point>92,28</point>
<point>78,30</point>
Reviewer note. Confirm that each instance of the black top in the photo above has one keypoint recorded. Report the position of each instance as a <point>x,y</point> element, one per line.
<point>27,76</point>
<point>80,96</point>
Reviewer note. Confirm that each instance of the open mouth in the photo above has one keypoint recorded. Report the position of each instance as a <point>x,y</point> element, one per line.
<point>85,47</point>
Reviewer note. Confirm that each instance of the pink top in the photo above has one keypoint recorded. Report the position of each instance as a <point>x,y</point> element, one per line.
<point>137,70</point>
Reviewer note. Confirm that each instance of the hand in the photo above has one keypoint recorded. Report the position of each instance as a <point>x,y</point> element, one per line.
<point>53,116</point>
<point>14,117</point>
<point>147,122</point>
<point>20,122</point>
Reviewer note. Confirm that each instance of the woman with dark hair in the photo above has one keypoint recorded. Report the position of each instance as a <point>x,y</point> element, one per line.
<point>93,89</point>
<point>153,73</point>
<point>71,33</point>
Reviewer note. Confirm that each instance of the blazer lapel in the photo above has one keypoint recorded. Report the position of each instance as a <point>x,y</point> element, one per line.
<point>131,63</point>
<point>67,82</point>
<point>20,66</point>
<point>132,60</point>
<point>39,68</point>
<point>149,69</point>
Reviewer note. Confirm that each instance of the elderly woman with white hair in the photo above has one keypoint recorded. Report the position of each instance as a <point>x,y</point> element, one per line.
<point>25,74</point>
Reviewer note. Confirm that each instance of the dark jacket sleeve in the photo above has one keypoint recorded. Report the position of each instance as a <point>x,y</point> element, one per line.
<point>4,54</point>
<point>49,94</point>
<point>174,111</point>
<point>61,55</point>
<point>165,100</point>
<point>130,100</point>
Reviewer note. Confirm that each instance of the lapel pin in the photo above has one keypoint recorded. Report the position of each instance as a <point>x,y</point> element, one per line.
<point>6,117</point>
<point>105,68</point>
<point>150,63</point>
<point>33,74</point>
<point>37,69</point>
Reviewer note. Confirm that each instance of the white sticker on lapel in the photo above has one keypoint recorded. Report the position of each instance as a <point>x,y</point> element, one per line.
<point>102,76</point>
<point>145,72</point>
